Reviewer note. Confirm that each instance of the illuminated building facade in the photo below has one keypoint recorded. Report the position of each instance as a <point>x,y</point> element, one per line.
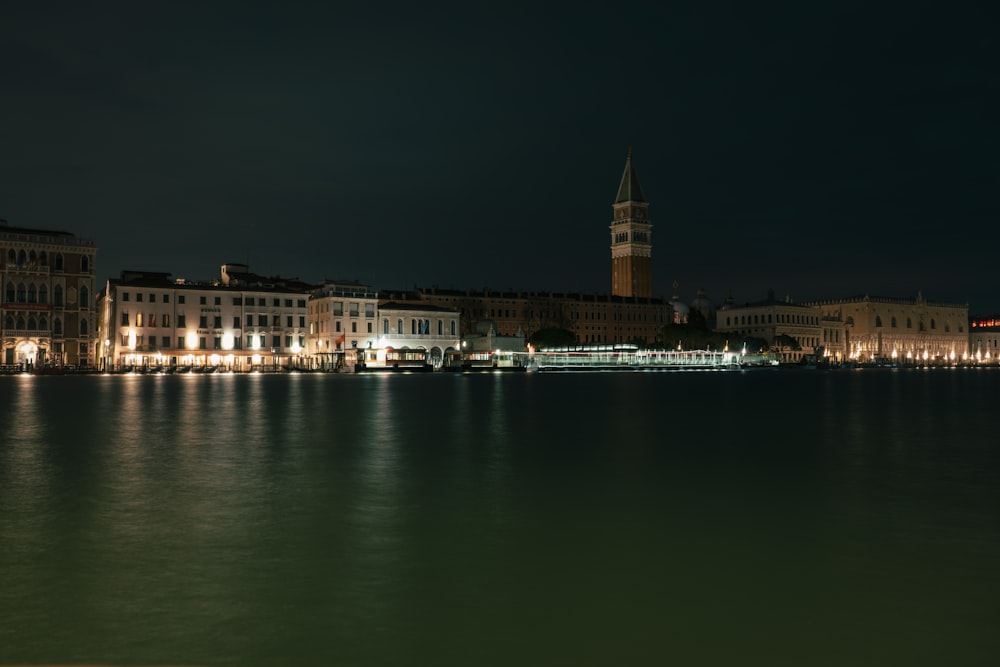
<point>791,330</point>
<point>47,314</point>
<point>984,339</point>
<point>913,330</point>
<point>241,322</point>
<point>342,316</point>
<point>593,318</point>
<point>631,238</point>
<point>416,326</point>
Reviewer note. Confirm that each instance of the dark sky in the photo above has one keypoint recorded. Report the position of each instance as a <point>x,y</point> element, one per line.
<point>820,149</point>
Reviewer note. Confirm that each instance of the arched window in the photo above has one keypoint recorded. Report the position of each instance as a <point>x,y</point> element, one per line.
<point>10,291</point>
<point>933,324</point>
<point>32,257</point>
<point>57,327</point>
<point>399,325</point>
<point>413,326</point>
<point>385,325</point>
<point>20,323</point>
<point>84,264</point>
<point>909,323</point>
<point>32,294</point>
<point>453,327</point>
<point>43,294</point>
<point>84,297</point>
<point>440,328</point>
<point>878,320</point>
<point>892,322</point>
<point>22,293</point>
<point>43,258</point>
<point>57,295</point>
<point>43,323</point>
<point>83,327</point>
<point>8,323</point>
<point>59,261</point>
<point>11,257</point>
<point>22,258</point>
<point>32,323</point>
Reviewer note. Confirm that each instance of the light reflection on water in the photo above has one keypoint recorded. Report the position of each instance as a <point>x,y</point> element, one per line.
<point>799,518</point>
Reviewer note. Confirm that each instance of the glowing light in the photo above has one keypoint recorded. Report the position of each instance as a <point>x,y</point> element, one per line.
<point>296,348</point>
<point>925,355</point>
<point>131,339</point>
<point>255,344</point>
<point>228,341</point>
<point>191,340</point>
<point>214,359</point>
<point>256,358</point>
<point>894,353</point>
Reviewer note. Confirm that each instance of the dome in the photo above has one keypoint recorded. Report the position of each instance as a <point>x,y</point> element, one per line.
<point>703,304</point>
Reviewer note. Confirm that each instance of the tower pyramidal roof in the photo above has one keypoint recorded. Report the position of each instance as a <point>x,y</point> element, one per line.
<point>629,189</point>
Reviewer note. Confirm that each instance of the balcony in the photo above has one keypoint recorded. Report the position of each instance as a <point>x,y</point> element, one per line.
<point>31,269</point>
<point>27,333</point>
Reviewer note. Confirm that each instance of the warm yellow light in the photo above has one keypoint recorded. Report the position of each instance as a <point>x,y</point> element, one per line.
<point>131,339</point>
<point>296,348</point>
<point>214,359</point>
<point>256,358</point>
<point>925,355</point>
<point>255,343</point>
<point>191,340</point>
<point>228,341</point>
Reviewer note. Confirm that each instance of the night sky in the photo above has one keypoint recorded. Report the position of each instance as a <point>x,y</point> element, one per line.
<point>819,149</point>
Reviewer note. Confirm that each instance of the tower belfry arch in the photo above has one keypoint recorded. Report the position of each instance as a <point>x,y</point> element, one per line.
<point>631,238</point>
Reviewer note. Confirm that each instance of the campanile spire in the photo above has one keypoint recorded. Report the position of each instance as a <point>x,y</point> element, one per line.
<point>631,238</point>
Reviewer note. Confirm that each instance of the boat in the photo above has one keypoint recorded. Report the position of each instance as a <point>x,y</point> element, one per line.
<point>628,357</point>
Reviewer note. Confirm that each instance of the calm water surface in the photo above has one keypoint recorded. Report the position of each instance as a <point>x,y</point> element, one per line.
<point>779,518</point>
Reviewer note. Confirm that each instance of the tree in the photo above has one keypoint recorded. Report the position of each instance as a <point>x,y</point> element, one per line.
<point>553,337</point>
<point>784,340</point>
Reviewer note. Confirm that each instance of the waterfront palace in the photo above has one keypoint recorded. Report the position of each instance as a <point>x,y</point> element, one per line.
<point>241,320</point>
<point>47,314</point>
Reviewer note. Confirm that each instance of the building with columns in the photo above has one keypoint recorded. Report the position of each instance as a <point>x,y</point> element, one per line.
<point>913,330</point>
<point>791,330</point>
<point>47,316</point>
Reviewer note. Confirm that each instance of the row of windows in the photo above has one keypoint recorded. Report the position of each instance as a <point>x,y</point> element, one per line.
<point>150,320</point>
<point>217,301</point>
<point>31,323</point>
<point>909,324</point>
<point>31,258</point>
<point>40,294</point>
<point>638,237</point>
<point>337,307</point>
<point>783,318</point>
<point>253,342</point>
<point>419,327</point>
<point>641,316</point>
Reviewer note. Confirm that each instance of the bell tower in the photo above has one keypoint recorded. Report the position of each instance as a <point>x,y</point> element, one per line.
<point>631,238</point>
